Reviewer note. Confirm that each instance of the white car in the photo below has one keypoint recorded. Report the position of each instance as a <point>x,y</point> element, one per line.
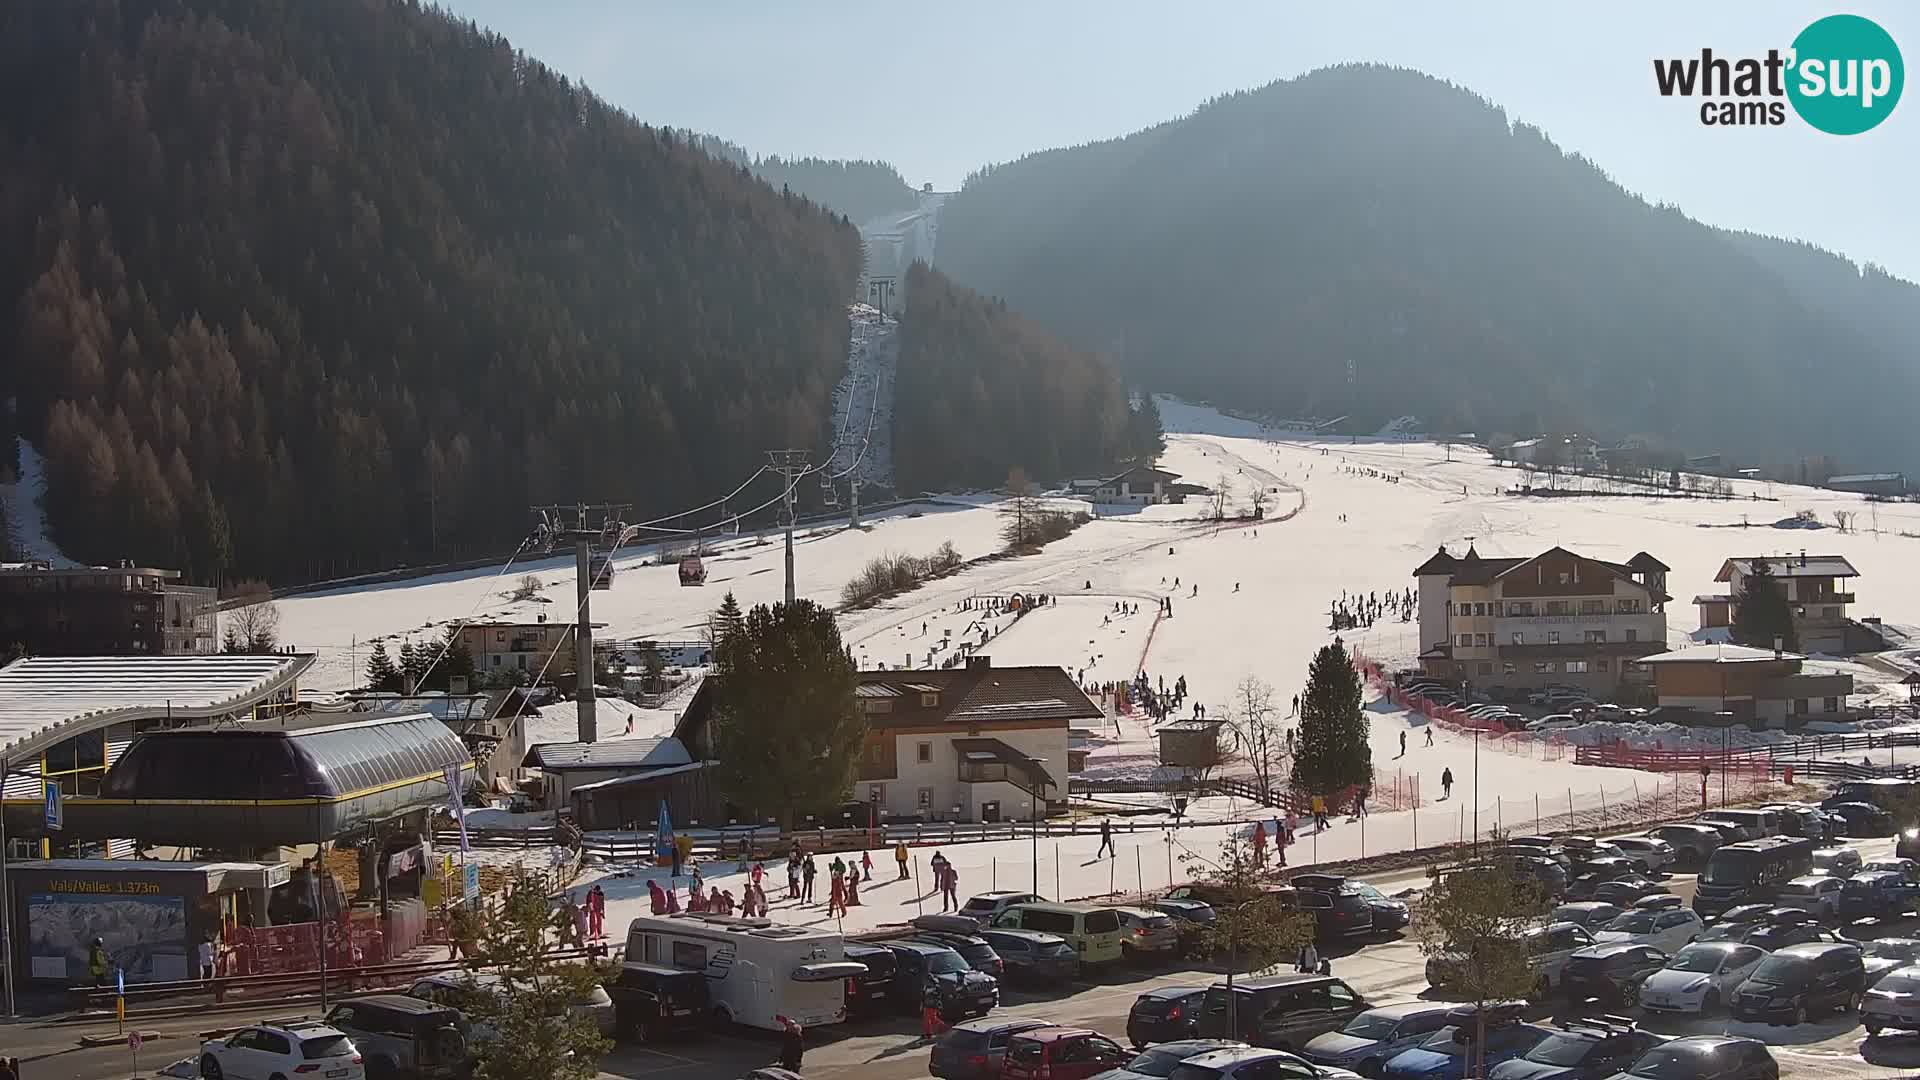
<point>1699,978</point>
<point>288,1049</point>
<point>1817,895</point>
<point>1667,930</point>
<point>1555,722</point>
<point>1653,853</point>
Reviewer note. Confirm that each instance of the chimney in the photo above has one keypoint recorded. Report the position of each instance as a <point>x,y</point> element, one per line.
<point>979,663</point>
<point>1779,647</point>
<point>1803,556</point>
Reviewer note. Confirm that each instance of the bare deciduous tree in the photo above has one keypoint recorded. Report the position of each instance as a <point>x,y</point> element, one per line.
<point>254,625</point>
<point>529,588</point>
<point>1222,489</point>
<point>1262,495</point>
<point>1253,723</point>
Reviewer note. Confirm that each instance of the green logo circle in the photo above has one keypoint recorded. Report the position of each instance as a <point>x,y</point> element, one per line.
<point>1846,74</point>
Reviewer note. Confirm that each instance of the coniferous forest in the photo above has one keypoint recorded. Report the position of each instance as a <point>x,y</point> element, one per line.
<point>1372,242</point>
<point>982,389</point>
<point>294,289</point>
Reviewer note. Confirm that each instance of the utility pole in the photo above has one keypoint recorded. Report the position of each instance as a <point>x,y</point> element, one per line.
<point>791,465</point>
<point>577,523</point>
<point>853,489</point>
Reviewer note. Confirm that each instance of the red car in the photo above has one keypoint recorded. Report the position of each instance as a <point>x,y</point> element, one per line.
<point>1061,1053</point>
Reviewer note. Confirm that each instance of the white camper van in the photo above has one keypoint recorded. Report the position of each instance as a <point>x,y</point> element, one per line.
<point>756,970</point>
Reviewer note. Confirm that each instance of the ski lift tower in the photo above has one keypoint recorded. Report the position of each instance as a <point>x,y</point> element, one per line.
<point>585,525</point>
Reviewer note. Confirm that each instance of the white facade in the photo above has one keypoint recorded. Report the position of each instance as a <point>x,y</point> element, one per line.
<point>927,783</point>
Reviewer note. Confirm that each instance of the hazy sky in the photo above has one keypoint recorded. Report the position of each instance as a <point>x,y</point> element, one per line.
<point>939,89</point>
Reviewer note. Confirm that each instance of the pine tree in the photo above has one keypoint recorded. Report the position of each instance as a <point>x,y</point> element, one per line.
<point>1333,749</point>
<point>784,727</point>
<point>382,676</point>
<point>724,623</point>
<point>411,666</point>
<point>1762,612</point>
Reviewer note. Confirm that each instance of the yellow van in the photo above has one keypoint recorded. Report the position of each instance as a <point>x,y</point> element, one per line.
<point>1094,932</point>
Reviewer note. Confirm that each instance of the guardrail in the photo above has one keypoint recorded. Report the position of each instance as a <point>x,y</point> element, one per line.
<point>1803,754</point>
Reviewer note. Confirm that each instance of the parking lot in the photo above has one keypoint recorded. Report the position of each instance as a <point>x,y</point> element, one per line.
<point>889,1047</point>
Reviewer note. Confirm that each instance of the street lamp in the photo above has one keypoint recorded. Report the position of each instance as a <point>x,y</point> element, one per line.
<point>1476,792</point>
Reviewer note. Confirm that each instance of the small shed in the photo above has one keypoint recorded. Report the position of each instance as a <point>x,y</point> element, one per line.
<point>1190,744</point>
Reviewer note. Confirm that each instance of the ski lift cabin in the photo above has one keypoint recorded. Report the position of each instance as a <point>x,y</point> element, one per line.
<point>693,571</point>
<point>600,571</point>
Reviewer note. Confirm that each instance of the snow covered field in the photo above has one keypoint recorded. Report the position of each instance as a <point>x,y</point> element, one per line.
<point>24,517</point>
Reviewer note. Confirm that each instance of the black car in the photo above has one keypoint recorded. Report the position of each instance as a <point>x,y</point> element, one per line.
<point>1863,819</point>
<point>871,992</point>
<point>1280,1012</point>
<point>1166,1014</point>
<point>974,949</point>
<point>1586,1049</point>
<point>1785,927</point>
<point>1626,891</point>
<point>1337,913</point>
<point>1744,913</point>
<point>976,1049</point>
<point>652,1002</point>
<point>960,990</point>
<point>1611,973</point>
<point>1385,914</point>
<point>1032,956</point>
<point>1706,1057</point>
<point>1592,915</point>
<point>1801,981</point>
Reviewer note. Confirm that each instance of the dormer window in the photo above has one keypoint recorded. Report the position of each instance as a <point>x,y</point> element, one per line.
<point>929,701</point>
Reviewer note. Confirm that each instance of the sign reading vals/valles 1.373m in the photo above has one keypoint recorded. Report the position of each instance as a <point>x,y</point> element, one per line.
<point>1842,75</point>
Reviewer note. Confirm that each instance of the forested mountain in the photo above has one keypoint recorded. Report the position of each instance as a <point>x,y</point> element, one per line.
<point>290,289</point>
<point>1371,241</point>
<point>862,190</point>
<point>981,390</point>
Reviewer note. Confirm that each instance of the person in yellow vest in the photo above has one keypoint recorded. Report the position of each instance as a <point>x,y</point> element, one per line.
<point>1319,812</point>
<point>900,858</point>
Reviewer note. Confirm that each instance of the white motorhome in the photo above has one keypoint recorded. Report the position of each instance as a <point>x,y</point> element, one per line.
<point>756,970</point>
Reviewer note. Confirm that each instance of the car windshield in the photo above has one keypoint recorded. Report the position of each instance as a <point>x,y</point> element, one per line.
<point>1370,1026</point>
<point>1451,1041</point>
<point>1665,1063</point>
<point>1154,1063</point>
<point>1700,960</point>
<point>1194,1072</point>
<point>945,963</point>
<point>1633,922</point>
<point>1797,888</point>
<point>1894,948</point>
<point>1562,1050</point>
<point>1782,969</point>
<point>978,904</point>
<point>1898,983</point>
<point>326,1046</point>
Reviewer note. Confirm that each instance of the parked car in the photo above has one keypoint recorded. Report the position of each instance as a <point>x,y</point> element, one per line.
<point>1192,911</point>
<point>1816,894</point>
<point>1801,981</point>
<point>404,1037</point>
<point>1371,1039</point>
<point>1280,1011</point>
<point>1879,894</point>
<point>1252,1063</point>
<point>1700,978</point>
<point>1785,927</point>
<point>1033,957</point>
<point>1667,931</point>
<point>974,949</point>
<point>1388,914</point>
<point>289,1048</point>
<point>652,1002</point>
<point>1659,902</point>
<point>1591,915</point>
<point>1743,913</point>
<point>450,988</point>
<point>1553,722</point>
<point>1549,948</point>
<point>1337,911</point>
<point>976,1049</point>
<point>1838,862</point>
<point>1158,1062</point>
<point>1692,844</point>
<point>1611,973</point>
<point>1627,890</point>
<point>1705,1057</point>
<point>984,907</point>
<point>1729,832</point>
<point>1863,819</point>
<point>1146,934</point>
<point>1908,869</point>
<point>1583,1049</point>
<point>1449,1053</point>
<point>1888,954</point>
<point>1893,1001</point>
<point>1653,854</point>
<point>1166,1014</point>
<point>1061,1053</point>
<point>961,991</point>
<point>1094,932</point>
<point>873,991</point>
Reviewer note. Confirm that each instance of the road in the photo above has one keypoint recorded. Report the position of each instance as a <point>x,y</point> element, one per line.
<point>888,1049</point>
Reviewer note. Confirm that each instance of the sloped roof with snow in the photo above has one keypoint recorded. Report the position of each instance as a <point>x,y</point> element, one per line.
<point>612,754</point>
<point>1717,654</point>
<point>1786,566</point>
<point>44,699</point>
